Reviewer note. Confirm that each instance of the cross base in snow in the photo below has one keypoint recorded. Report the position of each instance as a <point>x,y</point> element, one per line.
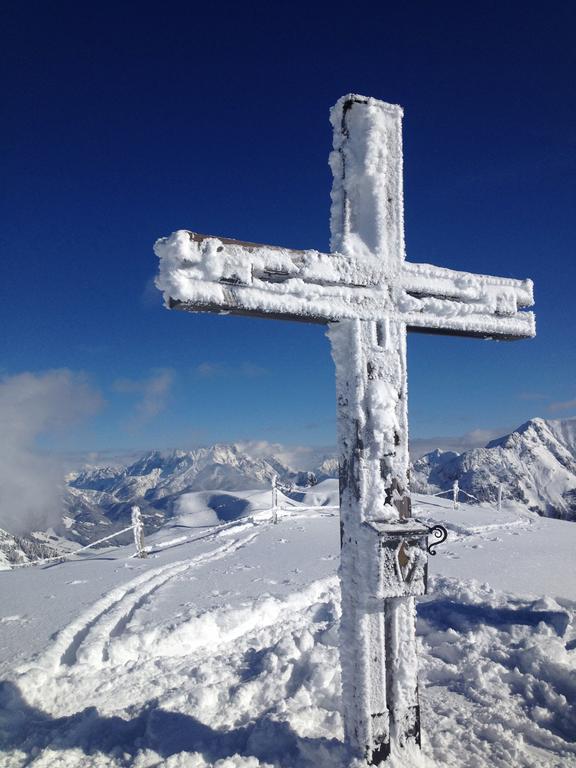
<point>369,297</point>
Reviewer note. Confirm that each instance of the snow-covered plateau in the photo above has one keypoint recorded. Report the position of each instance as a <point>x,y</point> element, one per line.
<point>220,649</point>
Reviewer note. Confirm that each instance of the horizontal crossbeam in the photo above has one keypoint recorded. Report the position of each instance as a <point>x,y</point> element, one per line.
<point>208,274</point>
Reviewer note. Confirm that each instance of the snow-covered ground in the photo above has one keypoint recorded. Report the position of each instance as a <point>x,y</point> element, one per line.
<point>220,649</point>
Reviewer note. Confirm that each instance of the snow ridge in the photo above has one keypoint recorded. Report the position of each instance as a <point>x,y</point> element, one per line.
<point>536,464</point>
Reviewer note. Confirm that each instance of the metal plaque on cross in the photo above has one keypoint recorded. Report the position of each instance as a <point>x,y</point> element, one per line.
<point>369,296</point>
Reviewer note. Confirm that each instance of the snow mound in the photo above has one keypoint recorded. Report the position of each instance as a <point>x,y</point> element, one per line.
<point>214,507</point>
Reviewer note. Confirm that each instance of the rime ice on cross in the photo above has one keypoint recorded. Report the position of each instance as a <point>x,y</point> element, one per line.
<point>369,296</point>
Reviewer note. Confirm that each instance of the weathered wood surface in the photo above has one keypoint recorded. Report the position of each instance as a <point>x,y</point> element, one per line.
<point>226,276</point>
<point>370,296</point>
<point>371,391</point>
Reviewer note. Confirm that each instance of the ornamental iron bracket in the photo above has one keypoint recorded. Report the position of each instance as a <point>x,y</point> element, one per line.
<point>439,532</point>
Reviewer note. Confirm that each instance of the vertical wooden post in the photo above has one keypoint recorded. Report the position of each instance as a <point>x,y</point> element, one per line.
<point>378,640</point>
<point>500,497</point>
<point>275,499</point>
<point>378,637</point>
<point>455,492</point>
<point>138,529</point>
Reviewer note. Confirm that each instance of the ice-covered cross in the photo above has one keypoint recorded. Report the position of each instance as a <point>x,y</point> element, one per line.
<point>370,297</point>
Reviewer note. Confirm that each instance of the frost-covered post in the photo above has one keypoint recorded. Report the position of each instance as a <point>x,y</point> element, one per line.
<point>274,499</point>
<point>138,528</point>
<point>378,641</point>
<point>499,498</point>
<point>369,296</point>
<point>455,492</point>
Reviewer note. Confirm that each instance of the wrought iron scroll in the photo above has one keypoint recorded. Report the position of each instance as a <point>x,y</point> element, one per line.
<point>440,533</point>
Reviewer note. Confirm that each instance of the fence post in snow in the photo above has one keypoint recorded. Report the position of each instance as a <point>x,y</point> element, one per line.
<point>500,498</point>
<point>274,499</point>
<point>138,528</point>
<point>455,492</point>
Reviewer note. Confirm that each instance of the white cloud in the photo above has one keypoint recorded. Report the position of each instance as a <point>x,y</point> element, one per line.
<point>306,457</point>
<point>210,370</point>
<point>566,405</point>
<point>477,438</point>
<point>153,393</point>
<point>298,457</point>
<point>30,405</point>
<point>533,396</point>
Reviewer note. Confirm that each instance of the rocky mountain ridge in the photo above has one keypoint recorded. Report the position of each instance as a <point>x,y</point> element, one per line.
<point>536,465</point>
<point>98,500</point>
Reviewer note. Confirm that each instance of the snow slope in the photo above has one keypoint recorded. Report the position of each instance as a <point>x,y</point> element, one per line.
<point>24,549</point>
<point>220,649</point>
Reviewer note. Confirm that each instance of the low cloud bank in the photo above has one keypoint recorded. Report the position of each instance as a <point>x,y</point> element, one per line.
<point>305,457</point>
<point>31,482</point>
<point>152,395</point>
<point>460,443</point>
<point>298,457</point>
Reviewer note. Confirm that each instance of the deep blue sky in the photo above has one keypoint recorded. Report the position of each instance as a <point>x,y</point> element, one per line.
<point>124,121</point>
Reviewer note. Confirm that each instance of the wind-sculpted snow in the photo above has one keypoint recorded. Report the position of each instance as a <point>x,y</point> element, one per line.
<point>220,650</point>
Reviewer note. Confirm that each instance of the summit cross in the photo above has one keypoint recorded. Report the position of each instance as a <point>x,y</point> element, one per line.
<point>369,296</point>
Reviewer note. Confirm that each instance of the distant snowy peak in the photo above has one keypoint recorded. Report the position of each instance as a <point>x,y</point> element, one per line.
<point>328,468</point>
<point>218,467</point>
<point>536,464</point>
<point>98,500</point>
<point>565,432</point>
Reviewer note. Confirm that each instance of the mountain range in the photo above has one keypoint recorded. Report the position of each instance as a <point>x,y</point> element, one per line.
<point>536,465</point>
<point>98,500</point>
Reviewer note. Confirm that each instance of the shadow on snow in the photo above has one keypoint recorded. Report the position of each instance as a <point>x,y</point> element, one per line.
<point>30,730</point>
<point>449,614</point>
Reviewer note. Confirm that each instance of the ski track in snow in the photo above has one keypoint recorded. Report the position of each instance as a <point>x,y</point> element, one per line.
<point>87,639</point>
<point>256,684</point>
